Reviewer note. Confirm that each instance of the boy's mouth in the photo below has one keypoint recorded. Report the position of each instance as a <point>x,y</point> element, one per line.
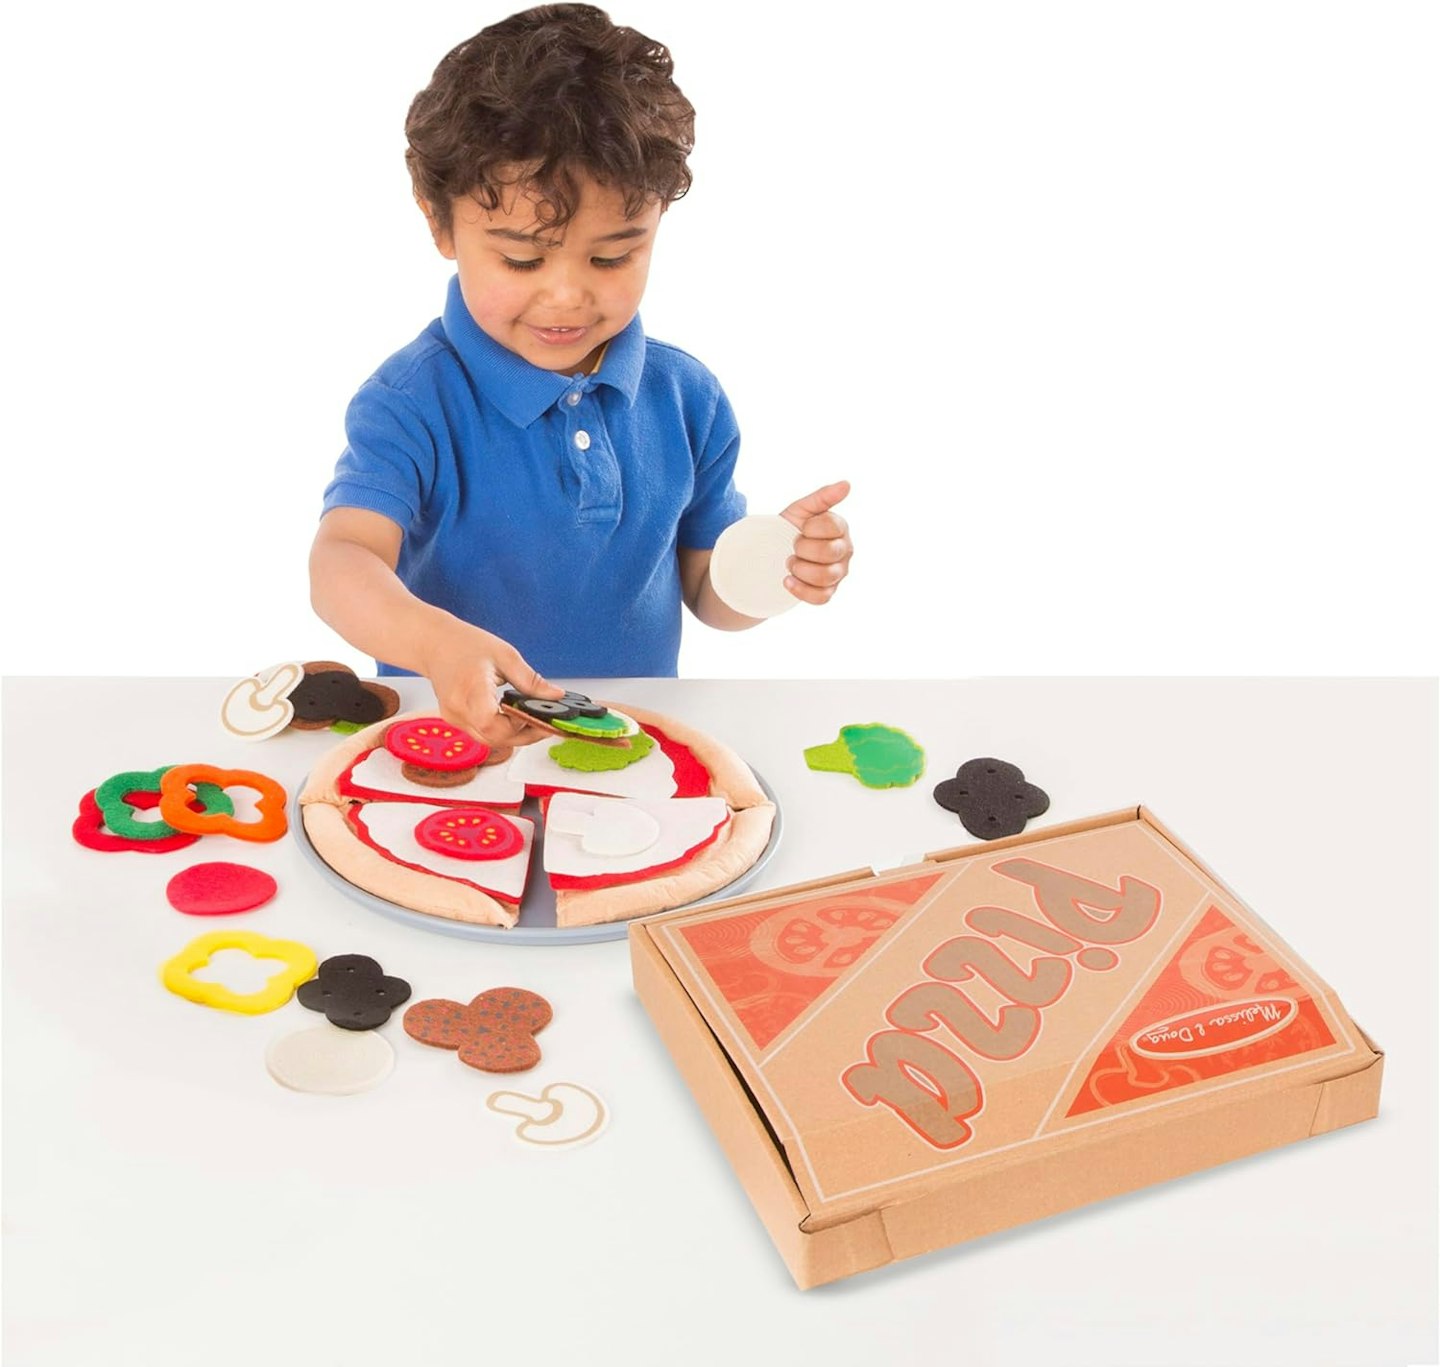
<point>558,336</point>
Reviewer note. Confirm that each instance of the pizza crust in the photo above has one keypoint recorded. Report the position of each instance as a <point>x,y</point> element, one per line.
<point>323,783</point>
<point>720,863</point>
<point>338,845</point>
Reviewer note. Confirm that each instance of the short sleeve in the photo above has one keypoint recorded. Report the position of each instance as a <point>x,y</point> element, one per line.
<point>388,464</point>
<point>716,502</point>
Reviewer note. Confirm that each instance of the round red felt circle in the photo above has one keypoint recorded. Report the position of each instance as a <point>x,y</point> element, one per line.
<point>219,889</point>
<point>470,833</point>
<point>432,743</point>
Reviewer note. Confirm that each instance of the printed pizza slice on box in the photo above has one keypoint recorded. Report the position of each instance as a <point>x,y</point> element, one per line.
<point>764,969</point>
<point>1229,999</point>
<point>962,1033</point>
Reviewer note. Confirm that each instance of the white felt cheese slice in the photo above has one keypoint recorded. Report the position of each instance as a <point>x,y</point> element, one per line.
<point>651,777</point>
<point>491,787</point>
<point>684,823</point>
<point>391,825</point>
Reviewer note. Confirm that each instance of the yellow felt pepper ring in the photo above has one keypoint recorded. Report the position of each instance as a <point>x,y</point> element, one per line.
<point>300,965</point>
<point>175,794</point>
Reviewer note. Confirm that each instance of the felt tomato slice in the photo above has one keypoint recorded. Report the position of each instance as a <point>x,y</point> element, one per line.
<point>470,833</point>
<point>432,743</point>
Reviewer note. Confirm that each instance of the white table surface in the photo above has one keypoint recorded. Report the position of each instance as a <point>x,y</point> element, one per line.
<point>166,1202</point>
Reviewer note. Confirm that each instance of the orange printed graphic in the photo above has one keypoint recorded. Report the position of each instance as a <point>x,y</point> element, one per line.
<point>771,965</point>
<point>1222,1004</point>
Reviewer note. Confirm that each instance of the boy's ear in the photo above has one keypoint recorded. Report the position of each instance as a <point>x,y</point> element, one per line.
<point>444,240</point>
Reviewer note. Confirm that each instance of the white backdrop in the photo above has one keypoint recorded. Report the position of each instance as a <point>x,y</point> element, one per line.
<point>1119,317</point>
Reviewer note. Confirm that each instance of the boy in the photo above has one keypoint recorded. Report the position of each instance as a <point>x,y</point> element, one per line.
<point>532,483</point>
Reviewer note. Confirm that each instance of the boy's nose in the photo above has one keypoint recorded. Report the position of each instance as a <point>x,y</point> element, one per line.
<point>567,287</point>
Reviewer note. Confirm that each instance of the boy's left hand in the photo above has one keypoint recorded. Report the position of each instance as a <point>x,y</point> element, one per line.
<point>823,549</point>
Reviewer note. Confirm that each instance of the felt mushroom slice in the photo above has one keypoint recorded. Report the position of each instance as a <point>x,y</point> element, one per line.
<point>991,798</point>
<point>259,707</point>
<point>562,1116</point>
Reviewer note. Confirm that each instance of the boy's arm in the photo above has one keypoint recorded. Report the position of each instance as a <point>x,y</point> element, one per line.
<point>355,590</point>
<point>821,560</point>
<point>701,599</point>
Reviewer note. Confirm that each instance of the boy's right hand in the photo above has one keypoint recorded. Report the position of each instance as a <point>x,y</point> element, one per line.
<point>466,667</point>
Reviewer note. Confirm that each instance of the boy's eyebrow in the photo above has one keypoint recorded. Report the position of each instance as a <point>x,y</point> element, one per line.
<point>623,234</point>
<point>538,239</point>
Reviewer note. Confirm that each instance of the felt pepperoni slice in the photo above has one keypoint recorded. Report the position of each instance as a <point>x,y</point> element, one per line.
<point>470,833</point>
<point>432,743</point>
<point>219,889</point>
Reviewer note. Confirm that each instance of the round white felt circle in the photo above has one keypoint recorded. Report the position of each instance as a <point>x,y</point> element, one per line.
<point>750,562</point>
<point>329,1060</point>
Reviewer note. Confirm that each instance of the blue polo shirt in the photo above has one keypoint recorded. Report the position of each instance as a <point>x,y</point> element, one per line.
<point>546,508</point>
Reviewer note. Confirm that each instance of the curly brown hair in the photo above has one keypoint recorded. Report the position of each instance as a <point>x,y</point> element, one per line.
<point>547,93</point>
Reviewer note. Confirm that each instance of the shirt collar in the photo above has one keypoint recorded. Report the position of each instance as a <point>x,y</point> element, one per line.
<point>521,391</point>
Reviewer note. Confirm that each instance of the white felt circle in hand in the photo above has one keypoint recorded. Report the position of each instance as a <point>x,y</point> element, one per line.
<point>749,565</point>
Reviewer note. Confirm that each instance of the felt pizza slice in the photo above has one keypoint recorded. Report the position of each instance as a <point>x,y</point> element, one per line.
<point>713,825</point>
<point>366,768</point>
<point>464,863</point>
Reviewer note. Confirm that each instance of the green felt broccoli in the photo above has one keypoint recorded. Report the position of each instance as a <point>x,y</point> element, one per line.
<point>879,756</point>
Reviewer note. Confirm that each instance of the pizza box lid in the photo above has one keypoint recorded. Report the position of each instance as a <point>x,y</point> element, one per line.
<point>1019,1001</point>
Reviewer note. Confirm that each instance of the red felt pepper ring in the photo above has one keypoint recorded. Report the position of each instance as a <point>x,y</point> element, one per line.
<point>89,829</point>
<point>270,810</point>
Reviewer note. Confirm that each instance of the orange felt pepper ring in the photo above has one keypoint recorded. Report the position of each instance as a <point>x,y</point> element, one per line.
<point>175,794</point>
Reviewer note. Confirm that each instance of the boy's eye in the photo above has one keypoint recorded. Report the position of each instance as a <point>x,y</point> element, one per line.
<point>609,262</point>
<point>530,265</point>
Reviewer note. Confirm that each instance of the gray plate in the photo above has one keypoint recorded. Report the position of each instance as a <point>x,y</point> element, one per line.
<point>537,909</point>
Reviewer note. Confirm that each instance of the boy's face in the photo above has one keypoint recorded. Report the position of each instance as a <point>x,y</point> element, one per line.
<point>553,298</point>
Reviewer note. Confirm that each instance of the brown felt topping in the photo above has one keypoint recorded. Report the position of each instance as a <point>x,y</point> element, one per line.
<point>433,778</point>
<point>331,692</point>
<point>495,1032</point>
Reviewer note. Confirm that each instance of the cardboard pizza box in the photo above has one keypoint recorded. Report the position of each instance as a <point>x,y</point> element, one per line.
<point>895,1063</point>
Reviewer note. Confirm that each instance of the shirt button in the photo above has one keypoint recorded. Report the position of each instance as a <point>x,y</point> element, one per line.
<point>573,397</point>
<point>582,440</point>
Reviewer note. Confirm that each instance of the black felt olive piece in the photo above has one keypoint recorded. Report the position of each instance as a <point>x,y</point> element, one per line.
<point>354,992</point>
<point>336,695</point>
<point>565,708</point>
<point>991,798</point>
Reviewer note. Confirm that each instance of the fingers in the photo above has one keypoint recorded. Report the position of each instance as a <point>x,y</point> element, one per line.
<point>479,715</point>
<point>513,669</point>
<point>824,527</point>
<point>814,505</point>
<point>829,550</point>
<point>815,583</point>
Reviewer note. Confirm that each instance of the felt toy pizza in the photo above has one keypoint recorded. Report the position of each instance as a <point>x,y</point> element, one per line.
<point>670,818</point>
